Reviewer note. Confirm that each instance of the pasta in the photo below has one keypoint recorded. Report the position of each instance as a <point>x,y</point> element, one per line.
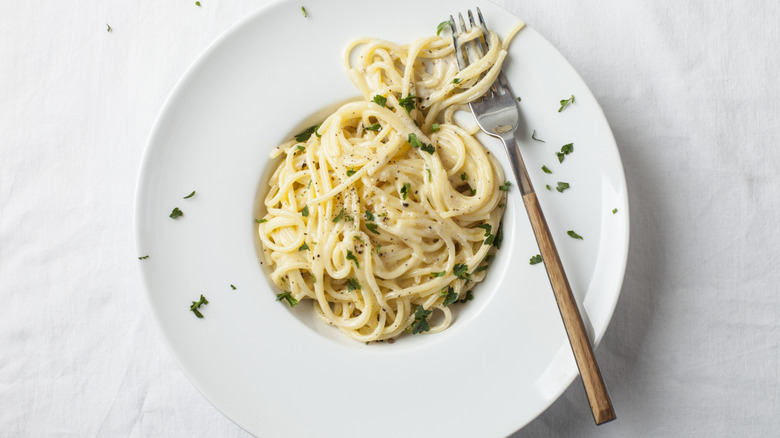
<point>384,214</point>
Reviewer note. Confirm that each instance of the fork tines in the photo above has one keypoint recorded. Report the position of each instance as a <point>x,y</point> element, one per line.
<point>475,48</point>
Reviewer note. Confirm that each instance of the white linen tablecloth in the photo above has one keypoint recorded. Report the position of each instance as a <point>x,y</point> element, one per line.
<point>691,90</point>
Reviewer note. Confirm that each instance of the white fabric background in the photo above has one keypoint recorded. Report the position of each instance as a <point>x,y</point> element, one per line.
<point>690,89</point>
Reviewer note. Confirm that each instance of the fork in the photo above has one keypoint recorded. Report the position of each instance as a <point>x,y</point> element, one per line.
<point>497,115</point>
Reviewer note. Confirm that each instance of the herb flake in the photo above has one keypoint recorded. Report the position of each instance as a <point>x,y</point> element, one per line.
<point>196,305</point>
<point>176,213</point>
<point>533,137</point>
<point>305,134</point>
<point>352,257</point>
<point>565,103</point>
<point>562,186</point>
<point>505,186</point>
<point>574,235</point>
<point>380,100</point>
<point>373,228</point>
<point>190,195</point>
<point>420,323</point>
<point>536,259</point>
<point>287,296</point>
<point>305,211</point>
<point>545,169</point>
<point>441,27</point>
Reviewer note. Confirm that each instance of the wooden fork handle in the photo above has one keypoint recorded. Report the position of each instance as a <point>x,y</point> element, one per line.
<point>600,403</point>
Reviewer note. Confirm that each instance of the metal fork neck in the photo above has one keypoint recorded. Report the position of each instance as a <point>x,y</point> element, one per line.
<point>516,161</point>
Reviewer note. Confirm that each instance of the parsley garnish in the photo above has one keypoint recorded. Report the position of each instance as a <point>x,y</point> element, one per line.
<point>486,227</point>
<point>305,211</point>
<point>352,284</point>
<point>428,148</point>
<point>614,211</point>
<point>380,100</point>
<point>449,296</point>
<point>373,228</point>
<point>339,216</point>
<point>305,134</point>
<point>414,141</point>
<point>490,239</point>
<point>519,100</point>
<point>438,274</point>
<point>356,237</point>
<point>300,147</point>
<point>429,174</point>
<point>441,27</point>
<point>190,195</point>
<point>574,235</point>
<point>463,176</point>
<point>303,11</point>
<point>408,102</point>
<point>546,170</point>
<point>435,127</point>
<point>562,186</point>
<point>505,186</point>
<point>287,296</point>
<point>303,247</point>
<point>460,270</point>
<point>176,213</point>
<point>196,305</point>
<point>405,190</point>
<point>143,257</point>
<point>567,148</point>
<point>565,103</point>
<point>499,236</point>
<point>352,257</point>
<point>481,268</point>
<point>369,216</point>
<point>456,80</point>
<point>108,28</point>
<point>351,172</point>
<point>548,187</point>
<point>560,156</point>
<point>420,324</point>
<point>375,127</point>
<point>261,221</point>
<point>533,136</point>
<point>469,297</point>
<point>536,259</point>
<point>197,4</point>
<point>501,205</point>
<point>232,287</point>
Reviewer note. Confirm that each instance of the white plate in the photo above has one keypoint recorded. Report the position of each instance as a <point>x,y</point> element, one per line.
<point>273,370</point>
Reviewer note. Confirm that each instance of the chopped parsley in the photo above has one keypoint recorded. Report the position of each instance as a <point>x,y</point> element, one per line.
<point>176,213</point>
<point>533,136</point>
<point>351,172</point>
<point>428,148</point>
<point>574,235</point>
<point>481,268</point>
<point>303,11</point>
<point>536,259</point>
<point>373,228</point>
<point>464,176</point>
<point>339,216</point>
<point>441,27</point>
<point>405,190</point>
<point>449,296</point>
<point>565,103</point>
<point>375,127</point>
<point>300,147</point>
<point>486,227</point>
<point>460,271</point>
<point>420,324</point>
<point>306,133</point>
<point>519,100</point>
<point>614,210</point>
<point>352,257</point>
<point>143,257</point>
<point>196,305</point>
<point>490,239</point>
<point>429,174</point>
<point>380,100</point>
<point>505,186</point>
<point>546,170</point>
<point>438,274</point>
<point>305,211</point>
<point>352,284</point>
<point>233,287</point>
<point>261,221</point>
<point>408,103</point>
<point>414,141</point>
<point>469,296</point>
<point>288,297</point>
<point>435,127</point>
<point>499,236</point>
<point>197,4</point>
<point>562,186</point>
<point>567,148</point>
<point>456,80</point>
<point>190,195</point>
<point>369,216</point>
<point>303,247</point>
<point>548,187</point>
<point>108,28</point>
